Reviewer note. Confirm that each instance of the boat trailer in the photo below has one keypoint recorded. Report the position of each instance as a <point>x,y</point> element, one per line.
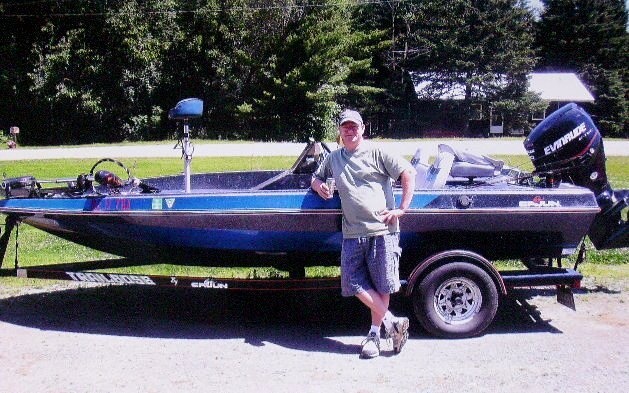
<point>92,272</point>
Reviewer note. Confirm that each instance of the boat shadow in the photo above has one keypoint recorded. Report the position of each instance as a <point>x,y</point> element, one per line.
<point>307,321</point>
<point>517,314</point>
<point>518,311</point>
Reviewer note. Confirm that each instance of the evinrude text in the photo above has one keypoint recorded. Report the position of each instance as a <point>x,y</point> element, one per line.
<point>559,143</point>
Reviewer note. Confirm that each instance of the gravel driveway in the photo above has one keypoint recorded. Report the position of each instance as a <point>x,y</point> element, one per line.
<point>130,339</point>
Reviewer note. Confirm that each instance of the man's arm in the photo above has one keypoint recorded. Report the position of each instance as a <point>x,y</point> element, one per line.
<point>407,180</point>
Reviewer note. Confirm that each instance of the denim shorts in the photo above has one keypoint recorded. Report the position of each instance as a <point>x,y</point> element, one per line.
<point>371,263</point>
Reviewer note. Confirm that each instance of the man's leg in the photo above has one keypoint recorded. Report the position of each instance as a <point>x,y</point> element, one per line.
<point>378,303</point>
<point>383,264</point>
<point>355,281</point>
<point>378,306</point>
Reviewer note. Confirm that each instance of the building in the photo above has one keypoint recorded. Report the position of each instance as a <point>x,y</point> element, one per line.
<point>555,88</point>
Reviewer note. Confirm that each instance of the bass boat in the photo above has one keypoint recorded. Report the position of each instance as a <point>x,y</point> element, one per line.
<point>469,206</point>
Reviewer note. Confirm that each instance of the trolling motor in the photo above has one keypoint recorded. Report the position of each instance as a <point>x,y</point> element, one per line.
<point>190,108</point>
<point>567,146</point>
<point>21,187</point>
<point>101,182</point>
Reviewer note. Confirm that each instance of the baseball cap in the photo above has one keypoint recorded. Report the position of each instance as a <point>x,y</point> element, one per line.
<point>350,115</point>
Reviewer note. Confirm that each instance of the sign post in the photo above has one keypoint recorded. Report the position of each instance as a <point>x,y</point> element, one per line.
<point>13,131</point>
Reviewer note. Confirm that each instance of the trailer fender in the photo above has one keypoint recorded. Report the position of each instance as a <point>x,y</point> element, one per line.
<point>445,257</point>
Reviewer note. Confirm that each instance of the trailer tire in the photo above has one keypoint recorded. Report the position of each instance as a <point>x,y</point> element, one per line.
<point>456,300</point>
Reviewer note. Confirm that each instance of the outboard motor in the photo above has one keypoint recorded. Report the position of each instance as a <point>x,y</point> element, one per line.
<point>567,146</point>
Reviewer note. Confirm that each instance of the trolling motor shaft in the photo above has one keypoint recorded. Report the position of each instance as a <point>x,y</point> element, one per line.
<point>186,152</point>
<point>189,108</point>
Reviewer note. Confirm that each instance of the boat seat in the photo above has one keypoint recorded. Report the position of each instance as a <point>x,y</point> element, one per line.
<point>435,175</point>
<point>452,163</point>
<point>189,108</point>
<point>309,162</point>
<point>470,165</point>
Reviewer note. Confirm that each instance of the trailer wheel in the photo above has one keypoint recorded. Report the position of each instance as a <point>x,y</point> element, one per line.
<point>456,300</point>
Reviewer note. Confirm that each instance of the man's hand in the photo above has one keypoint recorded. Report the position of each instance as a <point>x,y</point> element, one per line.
<point>321,188</point>
<point>390,216</point>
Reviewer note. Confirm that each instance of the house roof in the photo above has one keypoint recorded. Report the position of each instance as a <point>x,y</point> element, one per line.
<point>556,86</point>
<point>552,86</point>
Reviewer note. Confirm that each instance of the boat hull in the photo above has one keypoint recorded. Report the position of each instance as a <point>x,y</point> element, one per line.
<point>297,227</point>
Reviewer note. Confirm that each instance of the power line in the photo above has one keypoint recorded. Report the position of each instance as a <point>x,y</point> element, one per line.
<point>183,12</point>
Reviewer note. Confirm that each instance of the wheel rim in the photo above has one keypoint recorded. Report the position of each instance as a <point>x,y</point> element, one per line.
<point>457,300</point>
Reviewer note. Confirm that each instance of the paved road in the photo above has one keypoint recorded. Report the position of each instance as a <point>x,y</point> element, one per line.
<point>479,146</point>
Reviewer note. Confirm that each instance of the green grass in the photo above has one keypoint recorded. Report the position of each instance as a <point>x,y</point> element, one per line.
<point>140,167</point>
<point>169,142</point>
<point>37,248</point>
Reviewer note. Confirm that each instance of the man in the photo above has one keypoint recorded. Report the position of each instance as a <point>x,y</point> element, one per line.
<point>363,175</point>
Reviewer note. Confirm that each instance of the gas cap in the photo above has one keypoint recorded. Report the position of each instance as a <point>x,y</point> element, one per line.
<point>464,202</point>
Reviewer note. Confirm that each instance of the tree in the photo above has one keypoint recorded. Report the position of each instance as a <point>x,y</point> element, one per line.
<point>68,106</point>
<point>105,71</point>
<point>89,71</point>
<point>308,71</point>
<point>590,38</point>
<point>138,36</point>
<point>94,70</point>
<point>485,47</point>
<point>215,58</point>
<point>22,26</point>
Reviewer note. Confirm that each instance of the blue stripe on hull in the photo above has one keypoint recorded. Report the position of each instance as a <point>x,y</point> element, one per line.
<point>278,200</point>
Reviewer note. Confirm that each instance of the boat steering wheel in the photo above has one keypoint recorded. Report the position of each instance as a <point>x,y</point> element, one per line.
<point>108,179</point>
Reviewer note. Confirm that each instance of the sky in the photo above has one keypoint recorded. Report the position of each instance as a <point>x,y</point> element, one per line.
<point>538,3</point>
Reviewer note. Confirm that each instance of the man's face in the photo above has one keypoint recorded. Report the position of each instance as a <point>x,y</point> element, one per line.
<point>351,133</point>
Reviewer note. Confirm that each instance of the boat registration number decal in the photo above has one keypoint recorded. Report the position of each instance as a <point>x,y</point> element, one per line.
<point>157,204</point>
<point>117,204</point>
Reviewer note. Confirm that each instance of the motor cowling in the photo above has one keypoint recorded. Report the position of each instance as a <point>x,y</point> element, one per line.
<point>567,146</point>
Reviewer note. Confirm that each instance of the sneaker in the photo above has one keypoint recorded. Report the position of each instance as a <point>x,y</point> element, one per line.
<point>399,333</point>
<point>370,346</point>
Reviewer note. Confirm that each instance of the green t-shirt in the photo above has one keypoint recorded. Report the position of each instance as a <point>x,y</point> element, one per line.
<point>364,181</point>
